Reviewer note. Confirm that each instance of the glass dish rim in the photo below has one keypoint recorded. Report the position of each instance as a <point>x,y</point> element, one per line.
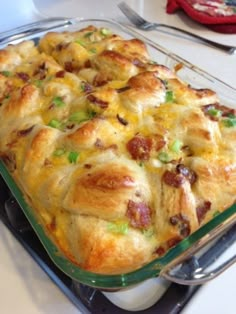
<point>151,269</point>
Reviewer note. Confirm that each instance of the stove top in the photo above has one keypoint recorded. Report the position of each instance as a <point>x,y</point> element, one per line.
<point>86,299</point>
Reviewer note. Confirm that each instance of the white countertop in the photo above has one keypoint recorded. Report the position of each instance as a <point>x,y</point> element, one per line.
<point>24,287</point>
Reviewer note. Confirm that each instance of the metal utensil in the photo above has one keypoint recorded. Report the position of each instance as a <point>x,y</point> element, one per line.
<point>33,28</point>
<point>145,25</point>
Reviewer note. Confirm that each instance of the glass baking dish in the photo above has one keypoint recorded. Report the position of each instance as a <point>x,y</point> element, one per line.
<point>168,265</point>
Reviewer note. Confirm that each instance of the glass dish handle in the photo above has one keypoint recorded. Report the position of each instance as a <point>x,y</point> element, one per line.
<point>33,28</point>
<point>193,271</point>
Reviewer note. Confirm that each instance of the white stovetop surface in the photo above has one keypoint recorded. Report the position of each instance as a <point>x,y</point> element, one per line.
<point>24,287</point>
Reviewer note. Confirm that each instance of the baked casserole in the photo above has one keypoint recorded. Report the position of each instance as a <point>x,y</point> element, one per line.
<point>118,157</point>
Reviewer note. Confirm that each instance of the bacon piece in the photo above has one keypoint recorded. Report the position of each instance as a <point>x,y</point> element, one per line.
<point>52,225</point>
<point>139,147</point>
<point>121,120</point>
<point>70,126</point>
<point>159,141</point>
<point>186,149</point>
<point>87,64</point>
<point>87,166</point>
<point>226,111</point>
<point>173,179</point>
<point>139,214</point>
<point>101,103</point>
<point>168,245</point>
<point>61,46</point>
<point>23,76</point>
<point>101,79</point>
<point>182,223</point>
<point>189,174</point>
<point>86,87</point>
<point>41,71</point>
<point>202,210</point>
<point>123,89</point>
<point>5,94</point>
<point>42,66</point>
<point>173,241</point>
<point>25,131</point>
<point>99,143</point>
<point>52,106</point>
<point>179,176</point>
<point>60,74</point>
<point>68,66</point>
<point>160,250</point>
<point>47,162</point>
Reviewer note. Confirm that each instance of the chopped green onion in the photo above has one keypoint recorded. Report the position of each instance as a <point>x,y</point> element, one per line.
<point>148,232</point>
<point>214,112</point>
<point>38,83</point>
<point>231,116</point>
<point>54,123</point>
<point>79,116</point>
<point>164,157</point>
<point>92,114</point>
<point>58,101</point>
<point>169,96</point>
<point>229,123</point>
<point>152,62</point>
<point>121,228</point>
<point>88,34</point>
<point>105,31</point>
<point>80,42</point>
<point>176,146</point>
<point>165,82</point>
<point>141,164</point>
<point>49,77</point>
<point>216,213</point>
<point>6,73</point>
<point>82,86</point>
<point>72,157</point>
<point>93,50</point>
<point>59,152</point>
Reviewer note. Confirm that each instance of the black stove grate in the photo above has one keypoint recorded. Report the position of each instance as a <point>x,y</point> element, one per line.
<point>86,299</point>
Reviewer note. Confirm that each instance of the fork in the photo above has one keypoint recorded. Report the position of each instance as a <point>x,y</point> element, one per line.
<point>143,24</point>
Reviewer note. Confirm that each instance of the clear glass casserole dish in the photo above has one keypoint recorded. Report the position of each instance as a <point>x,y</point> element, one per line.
<point>186,248</point>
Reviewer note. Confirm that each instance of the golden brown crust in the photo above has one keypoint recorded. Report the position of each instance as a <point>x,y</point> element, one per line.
<point>105,190</point>
<point>222,176</point>
<point>119,158</point>
<point>105,252</point>
<point>115,65</point>
<point>146,90</point>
